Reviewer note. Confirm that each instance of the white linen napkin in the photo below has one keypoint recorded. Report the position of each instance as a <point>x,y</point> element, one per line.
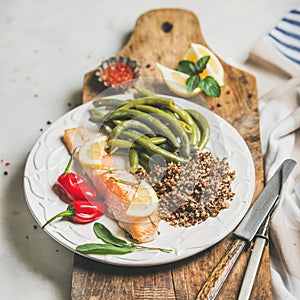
<point>275,60</point>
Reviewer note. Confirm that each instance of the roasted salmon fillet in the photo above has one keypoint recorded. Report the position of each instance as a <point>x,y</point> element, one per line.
<point>118,188</point>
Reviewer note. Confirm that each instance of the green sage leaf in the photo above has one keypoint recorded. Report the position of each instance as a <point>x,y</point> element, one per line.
<point>93,248</point>
<point>107,236</point>
<point>210,87</point>
<point>192,82</point>
<point>187,67</point>
<point>201,63</point>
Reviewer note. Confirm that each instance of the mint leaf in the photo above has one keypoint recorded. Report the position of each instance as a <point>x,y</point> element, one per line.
<point>210,87</point>
<point>192,82</point>
<point>187,67</point>
<point>201,63</point>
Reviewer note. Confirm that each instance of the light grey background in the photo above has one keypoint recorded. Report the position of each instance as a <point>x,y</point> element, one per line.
<point>45,49</point>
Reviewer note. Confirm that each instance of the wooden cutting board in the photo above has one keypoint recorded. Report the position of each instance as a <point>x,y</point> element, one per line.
<point>163,36</point>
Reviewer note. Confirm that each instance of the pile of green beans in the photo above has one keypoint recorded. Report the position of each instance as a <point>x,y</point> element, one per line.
<point>151,125</point>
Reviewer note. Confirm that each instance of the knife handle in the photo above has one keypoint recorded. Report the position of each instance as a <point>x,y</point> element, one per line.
<point>212,286</point>
<point>252,267</point>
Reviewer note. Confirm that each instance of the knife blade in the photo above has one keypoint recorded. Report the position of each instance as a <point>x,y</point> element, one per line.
<point>246,230</point>
<point>261,240</point>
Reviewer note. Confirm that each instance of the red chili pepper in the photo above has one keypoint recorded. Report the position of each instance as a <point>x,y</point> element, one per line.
<point>81,211</point>
<point>73,186</point>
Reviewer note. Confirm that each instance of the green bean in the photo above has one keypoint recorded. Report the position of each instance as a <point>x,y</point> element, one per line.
<point>149,120</point>
<point>117,122</point>
<point>144,155</point>
<point>172,106</point>
<point>120,114</point>
<point>203,124</point>
<point>124,136</point>
<point>97,113</point>
<point>156,149</point>
<point>120,143</point>
<point>187,128</point>
<point>96,119</point>
<point>174,124</point>
<point>144,92</point>
<point>185,116</point>
<point>170,113</point>
<point>156,140</point>
<point>144,160</point>
<point>145,164</point>
<point>109,102</point>
<point>119,151</point>
<point>152,160</point>
<point>157,101</point>
<point>133,160</point>
<point>135,124</point>
<point>100,119</point>
<point>129,142</point>
<point>166,146</point>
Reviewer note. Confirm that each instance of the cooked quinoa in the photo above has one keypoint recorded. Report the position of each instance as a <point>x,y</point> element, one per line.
<point>191,193</point>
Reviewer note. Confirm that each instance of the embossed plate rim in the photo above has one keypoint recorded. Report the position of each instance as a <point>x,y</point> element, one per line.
<point>187,240</point>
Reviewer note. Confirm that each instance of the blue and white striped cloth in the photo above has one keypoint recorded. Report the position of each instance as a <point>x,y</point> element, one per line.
<point>285,37</point>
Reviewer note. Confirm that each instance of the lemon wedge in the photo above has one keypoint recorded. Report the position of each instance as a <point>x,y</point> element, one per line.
<point>176,81</point>
<point>213,68</point>
<point>90,154</point>
<point>144,203</point>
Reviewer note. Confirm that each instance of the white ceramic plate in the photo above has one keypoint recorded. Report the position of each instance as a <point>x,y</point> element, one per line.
<point>48,159</point>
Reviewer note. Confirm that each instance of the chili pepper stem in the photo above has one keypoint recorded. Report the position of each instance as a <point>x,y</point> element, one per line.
<point>69,212</point>
<point>67,170</point>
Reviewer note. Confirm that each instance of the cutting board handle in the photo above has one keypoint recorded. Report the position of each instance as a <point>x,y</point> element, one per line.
<point>161,35</point>
<point>172,31</point>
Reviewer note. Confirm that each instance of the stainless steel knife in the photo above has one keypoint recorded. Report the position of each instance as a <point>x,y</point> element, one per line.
<point>246,230</point>
<point>253,264</point>
<point>260,241</point>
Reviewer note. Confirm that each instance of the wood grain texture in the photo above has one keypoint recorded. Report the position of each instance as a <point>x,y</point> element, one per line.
<point>100,281</point>
<point>150,44</point>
